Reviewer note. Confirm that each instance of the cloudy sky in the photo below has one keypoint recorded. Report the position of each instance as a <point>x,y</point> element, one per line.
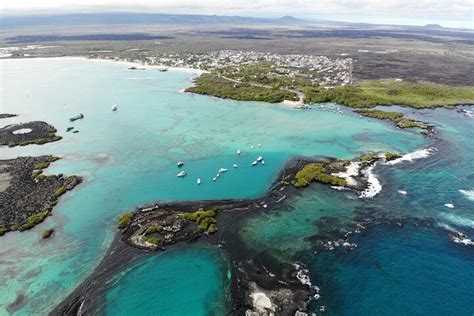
<point>454,13</point>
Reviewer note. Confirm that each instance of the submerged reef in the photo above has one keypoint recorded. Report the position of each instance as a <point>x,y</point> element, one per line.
<point>27,196</point>
<point>260,284</point>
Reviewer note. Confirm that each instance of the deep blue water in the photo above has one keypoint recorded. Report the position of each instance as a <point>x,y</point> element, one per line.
<point>128,158</point>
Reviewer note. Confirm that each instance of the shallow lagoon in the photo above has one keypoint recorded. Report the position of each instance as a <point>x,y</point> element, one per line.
<point>128,158</point>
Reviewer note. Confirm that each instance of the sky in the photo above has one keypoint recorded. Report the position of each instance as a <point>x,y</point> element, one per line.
<point>449,13</point>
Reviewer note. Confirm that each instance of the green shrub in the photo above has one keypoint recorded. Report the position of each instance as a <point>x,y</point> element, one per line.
<point>124,220</point>
<point>48,232</point>
<point>60,191</point>
<point>41,165</point>
<point>391,156</point>
<point>368,157</point>
<point>153,229</point>
<point>3,230</point>
<point>204,219</point>
<point>34,220</point>
<point>316,172</point>
<point>151,240</point>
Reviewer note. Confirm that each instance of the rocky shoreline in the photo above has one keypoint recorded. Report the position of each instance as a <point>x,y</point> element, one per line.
<point>260,285</point>
<point>23,134</point>
<point>27,196</point>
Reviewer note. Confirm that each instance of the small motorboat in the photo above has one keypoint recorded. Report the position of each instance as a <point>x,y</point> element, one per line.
<point>180,164</point>
<point>235,166</point>
<point>252,146</point>
<point>238,152</point>
<point>260,158</point>
<point>114,107</point>
<point>77,117</point>
<point>259,145</point>
<point>263,162</point>
<point>198,181</point>
<point>254,163</point>
<point>218,175</point>
<point>222,170</point>
<point>70,128</point>
<point>181,174</point>
<point>214,179</point>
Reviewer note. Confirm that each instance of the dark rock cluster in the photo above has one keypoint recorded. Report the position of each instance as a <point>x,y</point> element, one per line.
<point>41,133</point>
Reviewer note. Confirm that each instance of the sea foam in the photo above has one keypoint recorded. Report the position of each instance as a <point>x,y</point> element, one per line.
<point>418,154</point>
<point>374,186</point>
<point>469,194</point>
<point>458,220</point>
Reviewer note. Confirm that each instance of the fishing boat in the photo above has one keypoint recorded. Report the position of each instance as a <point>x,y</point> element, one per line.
<point>198,181</point>
<point>77,117</point>
<point>222,170</point>
<point>69,129</point>
<point>114,107</point>
<point>180,164</point>
<point>254,163</point>
<point>181,174</point>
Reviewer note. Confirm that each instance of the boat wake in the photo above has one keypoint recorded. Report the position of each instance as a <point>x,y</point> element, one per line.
<point>418,154</point>
<point>374,185</point>
<point>469,194</point>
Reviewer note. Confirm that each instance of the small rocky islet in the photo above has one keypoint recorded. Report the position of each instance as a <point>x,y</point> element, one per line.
<point>27,196</point>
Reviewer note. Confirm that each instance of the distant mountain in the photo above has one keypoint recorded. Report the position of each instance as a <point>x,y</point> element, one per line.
<point>133,19</point>
<point>433,26</point>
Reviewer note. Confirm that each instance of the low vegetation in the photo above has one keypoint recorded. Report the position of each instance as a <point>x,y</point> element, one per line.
<point>3,230</point>
<point>124,220</point>
<point>48,232</point>
<point>373,93</point>
<point>34,220</point>
<point>316,172</point>
<point>395,117</point>
<point>368,157</point>
<point>210,84</point>
<point>153,229</point>
<point>391,156</point>
<point>151,239</point>
<point>59,191</point>
<point>206,220</point>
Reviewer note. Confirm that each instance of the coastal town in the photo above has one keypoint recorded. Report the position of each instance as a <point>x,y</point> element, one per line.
<point>320,70</point>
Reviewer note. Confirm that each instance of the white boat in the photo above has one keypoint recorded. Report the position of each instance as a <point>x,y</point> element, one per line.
<point>222,170</point>
<point>252,146</point>
<point>214,179</point>
<point>238,152</point>
<point>235,166</point>
<point>218,175</point>
<point>180,163</point>
<point>260,158</point>
<point>114,107</point>
<point>181,174</point>
<point>254,163</point>
<point>259,145</point>
<point>198,181</point>
<point>263,162</point>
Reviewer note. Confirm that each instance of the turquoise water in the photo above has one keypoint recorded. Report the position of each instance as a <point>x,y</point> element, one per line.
<point>393,271</point>
<point>177,282</point>
<point>129,158</point>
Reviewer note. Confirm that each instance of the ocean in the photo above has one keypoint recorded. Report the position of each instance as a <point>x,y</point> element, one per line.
<point>128,158</point>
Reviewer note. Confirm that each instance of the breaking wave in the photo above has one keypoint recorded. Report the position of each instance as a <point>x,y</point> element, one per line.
<point>469,194</point>
<point>374,186</point>
<point>418,154</point>
<point>458,220</point>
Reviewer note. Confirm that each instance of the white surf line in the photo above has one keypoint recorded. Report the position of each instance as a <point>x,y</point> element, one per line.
<point>469,194</point>
<point>374,185</point>
<point>418,154</point>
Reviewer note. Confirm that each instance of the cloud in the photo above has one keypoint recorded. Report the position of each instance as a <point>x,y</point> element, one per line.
<point>425,9</point>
